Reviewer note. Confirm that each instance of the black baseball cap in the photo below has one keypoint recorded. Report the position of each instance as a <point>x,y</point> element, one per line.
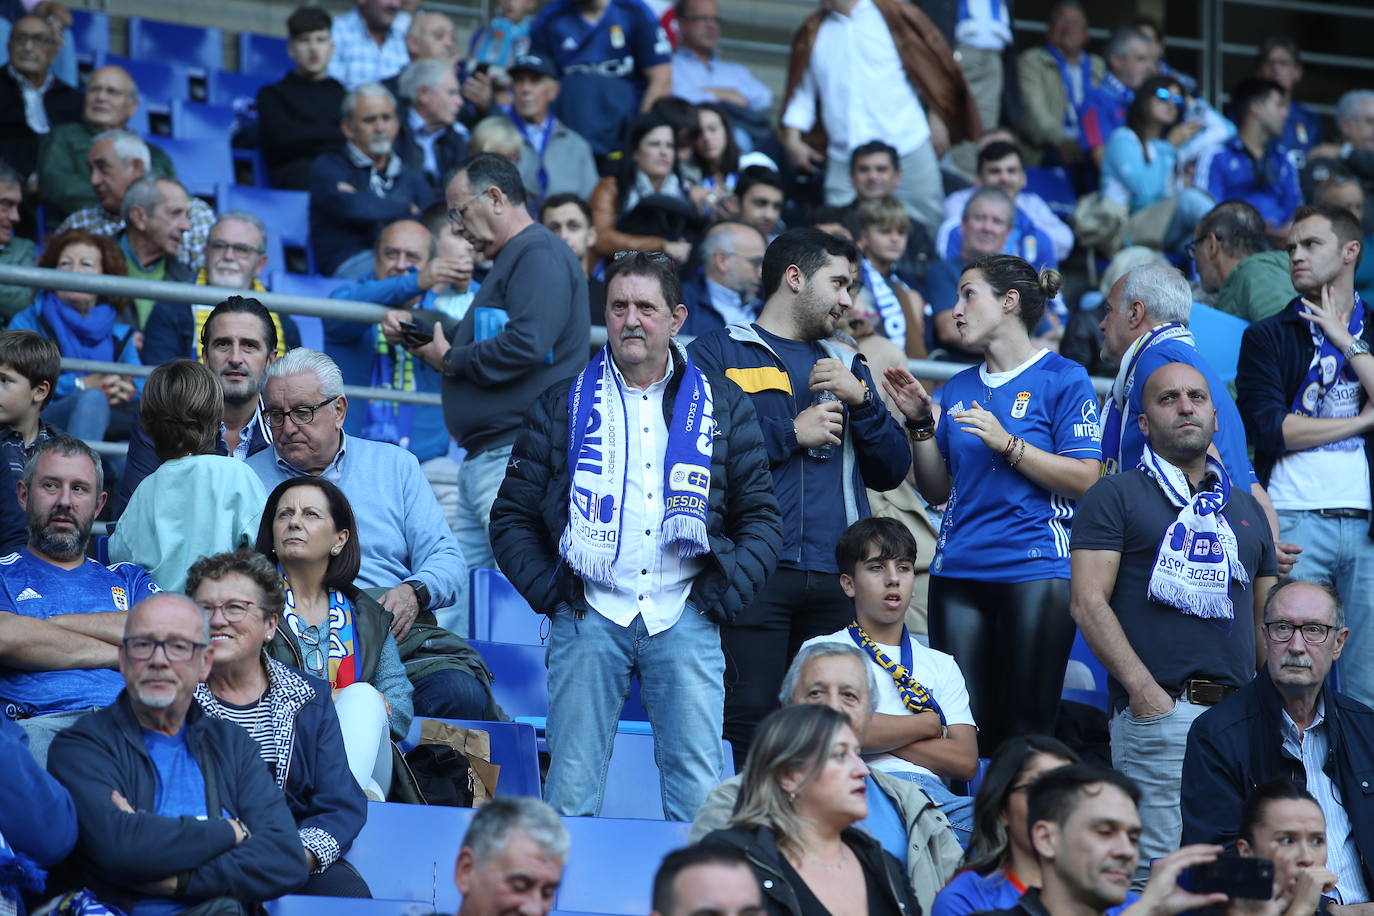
<point>534,63</point>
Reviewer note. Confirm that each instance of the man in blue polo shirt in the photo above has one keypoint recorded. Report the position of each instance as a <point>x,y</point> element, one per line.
<point>1252,166</point>
<point>615,62</point>
<point>1131,59</point>
<point>61,613</point>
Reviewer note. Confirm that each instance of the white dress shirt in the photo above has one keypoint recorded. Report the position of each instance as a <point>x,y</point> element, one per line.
<point>649,581</point>
<point>728,304</point>
<point>857,74</point>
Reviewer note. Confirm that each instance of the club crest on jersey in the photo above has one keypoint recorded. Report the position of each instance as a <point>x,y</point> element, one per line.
<point>1018,408</point>
<point>617,37</point>
<point>120,597</point>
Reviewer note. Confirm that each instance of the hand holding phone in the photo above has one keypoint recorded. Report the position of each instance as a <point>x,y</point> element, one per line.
<point>1234,876</point>
<point>413,337</point>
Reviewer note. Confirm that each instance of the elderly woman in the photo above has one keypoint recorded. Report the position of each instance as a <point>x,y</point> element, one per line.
<point>333,630</point>
<point>84,326</point>
<point>197,502</point>
<point>288,713</point>
<point>804,789</point>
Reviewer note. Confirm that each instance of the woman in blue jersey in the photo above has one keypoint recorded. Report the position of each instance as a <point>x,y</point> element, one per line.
<point>1017,445</point>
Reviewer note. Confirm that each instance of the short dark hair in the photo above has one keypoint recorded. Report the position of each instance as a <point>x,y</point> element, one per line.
<point>1277,41</point>
<point>488,170</point>
<point>1247,92</point>
<point>998,150</point>
<point>242,305</point>
<point>248,563</point>
<point>989,846</point>
<point>893,540</point>
<point>1056,794</point>
<point>1253,809</point>
<point>307,19</point>
<point>1342,221</point>
<point>653,264</point>
<point>562,200</point>
<point>1006,272</point>
<point>1237,227</point>
<point>342,569</point>
<point>871,148</point>
<point>33,356</point>
<point>181,409</point>
<point>756,175</point>
<point>679,860</point>
<point>809,249</point>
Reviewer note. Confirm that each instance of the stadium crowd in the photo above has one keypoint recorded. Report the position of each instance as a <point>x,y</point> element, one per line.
<point>857,589</point>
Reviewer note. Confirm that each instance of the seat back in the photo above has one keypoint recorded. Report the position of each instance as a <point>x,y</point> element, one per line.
<point>406,852</point>
<point>499,613</point>
<point>263,54</point>
<point>90,34</point>
<point>632,779</point>
<point>202,165</point>
<point>286,214</point>
<point>612,863</point>
<point>520,682</point>
<point>159,82</point>
<point>513,749</point>
<point>226,87</point>
<point>1056,187</point>
<point>301,905</point>
<point>192,46</point>
<point>201,121</point>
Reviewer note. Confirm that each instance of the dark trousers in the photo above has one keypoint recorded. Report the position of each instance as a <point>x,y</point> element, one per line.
<point>452,694</point>
<point>1012,643</point>
<point>338,880</point>
<point>793,606</point>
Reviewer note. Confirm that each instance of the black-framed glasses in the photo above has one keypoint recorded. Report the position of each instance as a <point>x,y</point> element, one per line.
<point>233,611</point>
<point>301,416</point>
<point>219,246</point>
<point>141,648</point>
<point>1314,634</point>
<point>458,214</point>
<point>36,38</point>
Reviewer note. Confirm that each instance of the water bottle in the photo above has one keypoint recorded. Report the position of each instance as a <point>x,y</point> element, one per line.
<point>824,451</point>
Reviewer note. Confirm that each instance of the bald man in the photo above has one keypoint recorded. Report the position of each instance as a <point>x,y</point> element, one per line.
<point>64,177</point>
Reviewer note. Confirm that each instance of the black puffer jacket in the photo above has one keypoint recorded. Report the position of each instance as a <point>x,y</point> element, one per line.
<point>743,522</point>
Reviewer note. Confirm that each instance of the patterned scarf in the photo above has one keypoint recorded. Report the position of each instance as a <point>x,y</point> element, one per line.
<point>340,651</point>
<point>915,697</point>
<point>890,314</point>
<point>1328,364</point>
<point>1114,423</point>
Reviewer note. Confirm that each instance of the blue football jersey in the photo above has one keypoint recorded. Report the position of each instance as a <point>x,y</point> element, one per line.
<point>999,526</point>
<point>622,43</point>
<point>35,588</point>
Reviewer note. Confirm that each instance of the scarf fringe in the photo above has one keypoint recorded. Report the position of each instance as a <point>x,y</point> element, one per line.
<point>688,532</point>
<point>1208,607</point>
<point>589,565</point>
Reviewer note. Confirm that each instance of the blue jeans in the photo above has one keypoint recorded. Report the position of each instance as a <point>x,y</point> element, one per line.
<point>1339,550</point>
<point>83,414</point>
<point>478,480</point>
<point>451,694</point>
<point>958,808</point>
<point>681,671</point>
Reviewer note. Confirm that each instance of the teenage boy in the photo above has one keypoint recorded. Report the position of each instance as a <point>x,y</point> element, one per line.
<point>29,365</point>
<point>884,225</point>
<point>759,199</point>
<point>923,731</point>
<point>299,114</point>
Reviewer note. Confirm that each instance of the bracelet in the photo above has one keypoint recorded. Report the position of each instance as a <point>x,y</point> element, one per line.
<point>1021,453</point>
<point>921,435</point>
<point>1011,444</point>
<point>1355,348</point>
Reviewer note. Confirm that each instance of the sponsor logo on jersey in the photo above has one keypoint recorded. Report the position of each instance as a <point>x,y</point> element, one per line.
<point>27,594</point>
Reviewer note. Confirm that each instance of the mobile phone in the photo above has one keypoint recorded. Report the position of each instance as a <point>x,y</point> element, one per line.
<point>1234,876</point>
<point>481,68</point>
<point>412,336</point>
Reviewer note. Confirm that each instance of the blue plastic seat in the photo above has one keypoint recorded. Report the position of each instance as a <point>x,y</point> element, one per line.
<point>632,781</point>
<point>513,749</point>
<point>202,165</point>
<point>499,613</point>
<point>1096,697</point>
<point>521,684</point>
<point>406,852</point>
<point>1054,185</point>
<point>287,215</point>
<point>158,82</point>
<point>612,863</point>
<point>263,54</point>
<point>225,87</point>
<point>1218,338</point>
<point>90,34</point>
<point>201,121</point>
<point>192,46</point>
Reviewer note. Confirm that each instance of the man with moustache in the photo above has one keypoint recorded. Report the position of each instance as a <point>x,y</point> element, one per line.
<point>176,808</point>
<point>1289,724</point>
<point>61,613</point>
<point>1170,565</point>
<point>1303,383</point>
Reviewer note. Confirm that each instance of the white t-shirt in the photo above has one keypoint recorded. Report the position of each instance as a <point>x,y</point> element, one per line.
<point>1331,476</point>
<point>935,670</point>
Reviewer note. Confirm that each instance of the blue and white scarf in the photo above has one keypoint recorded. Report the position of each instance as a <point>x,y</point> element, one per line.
<point>1198,556</point>
<point>597,458</point>
<point>889,305</point>
<point>1327,365</point>
<point>1114,423</point>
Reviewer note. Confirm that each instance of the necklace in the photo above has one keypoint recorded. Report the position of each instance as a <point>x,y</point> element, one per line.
<point>823,864</point>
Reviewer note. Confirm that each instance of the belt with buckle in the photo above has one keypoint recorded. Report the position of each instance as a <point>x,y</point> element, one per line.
<point>1206,693</point>
<point>1343,513</point>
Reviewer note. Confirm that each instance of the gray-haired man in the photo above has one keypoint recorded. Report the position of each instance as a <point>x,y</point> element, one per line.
<point>512,858</point>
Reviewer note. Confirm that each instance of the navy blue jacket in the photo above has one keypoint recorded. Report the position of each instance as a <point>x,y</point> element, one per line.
<point>104,753</point>
<point>37,817</point>
<point>14,531</point>
<point>1237,746</point>
<point>170,333</point>
<point>875,452</point>
<point>742,520</point>
<point>342,223</point>
<point>1274,356</point>
<point>143,460</point>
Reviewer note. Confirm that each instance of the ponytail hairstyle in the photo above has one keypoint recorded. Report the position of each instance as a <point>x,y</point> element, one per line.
<point>1007,272</point>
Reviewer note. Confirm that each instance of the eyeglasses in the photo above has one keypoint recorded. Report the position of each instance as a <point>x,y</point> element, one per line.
<point>312,652</point>
<point>301,416</point>
<point>233,611</point>
<point>32,38</point>
<point>1191,249</point>
<point>141,648</point>
<point>1164,95</point>
<point>1314,634</point>
<point>457,215</point>
<point>219,246</point>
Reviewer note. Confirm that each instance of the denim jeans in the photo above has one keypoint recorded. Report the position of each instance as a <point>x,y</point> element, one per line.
<point>958,808</point>
<point>83,414</point>
<point>478,480</point>
<point>1150,751</point>
<point>680,670</point>
<point>1339,550</point>
<point>451,694</point>
<point>42,729</point>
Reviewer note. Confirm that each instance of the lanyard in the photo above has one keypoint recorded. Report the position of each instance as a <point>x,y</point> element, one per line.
<point>539,142</point>
<point>1085,67</point>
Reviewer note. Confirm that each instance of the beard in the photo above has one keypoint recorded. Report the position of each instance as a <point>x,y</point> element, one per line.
<point>379,146</point>
<point>230,275</point>
<point>60,545</point>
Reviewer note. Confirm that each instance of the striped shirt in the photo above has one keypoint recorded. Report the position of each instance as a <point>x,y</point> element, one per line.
<point>256,718</point>
<point>97,221</point>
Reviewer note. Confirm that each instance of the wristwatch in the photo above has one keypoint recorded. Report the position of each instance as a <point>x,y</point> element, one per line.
<point>421,592</point>
<point>920,431</point>
<point>1357,346</point>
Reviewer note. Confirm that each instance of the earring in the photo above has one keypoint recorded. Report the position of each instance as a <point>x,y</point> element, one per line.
<point>796,289</point>
<point>791,798</point>
<point>334,552</point>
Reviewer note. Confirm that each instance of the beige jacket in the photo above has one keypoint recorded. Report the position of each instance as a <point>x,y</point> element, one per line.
<point>1044,101</point>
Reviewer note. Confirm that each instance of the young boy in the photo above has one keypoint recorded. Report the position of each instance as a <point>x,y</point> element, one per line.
<point>506,37</point>
<point>923,731</point>
<point>299,115</point>
<point>884,226</point>
<point>29,366</point>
